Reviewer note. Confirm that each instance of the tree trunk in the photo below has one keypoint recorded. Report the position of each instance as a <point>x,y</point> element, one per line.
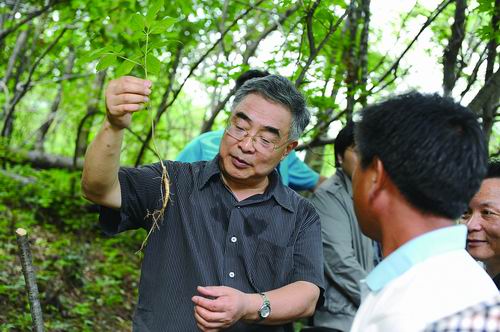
<point>82,136</point>
<point>9,116</point>
<point>492,44</point>
<point>363,51</point>
<point>20,44</point>
<point>350,58</point>
<point>42,132</point>
<point>490,107</point>
<point>485,102</point>
<point>454,45</point>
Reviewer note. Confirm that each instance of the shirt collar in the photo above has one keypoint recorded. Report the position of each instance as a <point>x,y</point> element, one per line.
<point>211,168</point>
<point>275,188</point>
<point>415,251</point>
<point>279,191</point>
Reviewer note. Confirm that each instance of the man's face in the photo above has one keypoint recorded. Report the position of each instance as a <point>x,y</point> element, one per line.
<point>483,221</point>
<point>246,160</point>
<point>350,160</point>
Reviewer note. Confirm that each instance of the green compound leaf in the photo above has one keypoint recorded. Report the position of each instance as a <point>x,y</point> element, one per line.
<point>106,61</point>
<point>137,22</point>
<point>153,64</point>
<point>95,54</point>
<point>125,68</point>
<point>153,11</point>
<point>163,25</point>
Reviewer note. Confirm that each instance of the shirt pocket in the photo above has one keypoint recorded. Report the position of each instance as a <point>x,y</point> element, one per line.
<point>272,266</point>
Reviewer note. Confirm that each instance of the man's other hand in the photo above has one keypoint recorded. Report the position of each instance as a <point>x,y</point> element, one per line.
<point>218,307</point>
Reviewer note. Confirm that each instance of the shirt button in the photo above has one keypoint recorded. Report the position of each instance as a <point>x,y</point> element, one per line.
<point>238,207</point>
<point>234,239</point>
<point>231,274</point>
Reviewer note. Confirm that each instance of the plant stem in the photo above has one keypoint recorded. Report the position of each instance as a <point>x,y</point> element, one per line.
<point>156,215</point>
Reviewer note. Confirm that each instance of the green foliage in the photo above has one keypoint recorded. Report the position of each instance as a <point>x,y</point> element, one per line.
<point>147,27</point>
<point>87,282</point>
<point>486,10</point>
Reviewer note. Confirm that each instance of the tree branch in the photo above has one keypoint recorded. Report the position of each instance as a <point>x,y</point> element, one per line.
<point>430,19</point>
<point>314,52</point>
<point>30,17</point>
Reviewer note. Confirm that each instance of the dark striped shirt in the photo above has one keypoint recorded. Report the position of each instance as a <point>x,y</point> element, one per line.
<point>208,238</point>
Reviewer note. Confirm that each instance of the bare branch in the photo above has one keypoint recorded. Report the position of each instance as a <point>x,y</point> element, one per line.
<point>7,124</point>
<point>253,47</point>
<point>454,45</point>
<point>207,52</point>
<point>473,75</point>
<point>490,90</point>
<point>314,53</point>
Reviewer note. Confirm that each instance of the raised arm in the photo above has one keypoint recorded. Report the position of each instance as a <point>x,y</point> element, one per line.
<point>100,184</point>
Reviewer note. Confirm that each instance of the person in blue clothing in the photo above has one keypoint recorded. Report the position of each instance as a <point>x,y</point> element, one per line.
<point>293,171</point>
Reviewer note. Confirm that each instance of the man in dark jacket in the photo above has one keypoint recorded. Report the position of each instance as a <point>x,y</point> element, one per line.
<point>349,255</point>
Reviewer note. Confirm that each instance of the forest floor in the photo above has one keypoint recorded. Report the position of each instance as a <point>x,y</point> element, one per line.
<point>87,281</point>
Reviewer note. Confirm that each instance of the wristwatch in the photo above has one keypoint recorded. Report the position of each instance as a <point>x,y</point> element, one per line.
<point>265,310</point>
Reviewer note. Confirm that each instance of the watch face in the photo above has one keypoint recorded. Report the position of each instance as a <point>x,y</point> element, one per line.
<point>265,311</point>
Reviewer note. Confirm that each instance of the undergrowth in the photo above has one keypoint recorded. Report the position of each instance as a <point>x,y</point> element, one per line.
<point>87,282</point>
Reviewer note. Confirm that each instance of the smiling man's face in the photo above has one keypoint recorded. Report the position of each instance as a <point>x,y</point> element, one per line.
<point>483,221</point>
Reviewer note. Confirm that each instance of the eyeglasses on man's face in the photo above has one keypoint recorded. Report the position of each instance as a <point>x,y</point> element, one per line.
<point>263,142</point>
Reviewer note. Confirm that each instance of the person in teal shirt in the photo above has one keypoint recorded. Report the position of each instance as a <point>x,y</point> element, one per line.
<point>294,172</point>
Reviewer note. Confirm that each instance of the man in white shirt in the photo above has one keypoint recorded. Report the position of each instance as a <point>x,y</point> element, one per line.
<point>421,160</point>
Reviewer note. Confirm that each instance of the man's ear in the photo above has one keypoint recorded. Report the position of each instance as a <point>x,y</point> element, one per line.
<point>339,158</point>
<point>290,146</point>
<point>378,178</point>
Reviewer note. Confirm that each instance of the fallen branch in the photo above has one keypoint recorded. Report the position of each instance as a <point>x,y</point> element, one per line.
<point>41,160</point>
<point>30,279</point>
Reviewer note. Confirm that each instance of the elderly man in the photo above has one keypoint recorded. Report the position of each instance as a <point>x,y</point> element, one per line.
<point>293,171</point>
<point>236,248</point>
<point>421,159</point>
<point>483,222</point>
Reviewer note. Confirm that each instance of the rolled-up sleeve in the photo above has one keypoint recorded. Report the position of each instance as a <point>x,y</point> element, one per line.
<point>308,253</point>
<point>140,195</point>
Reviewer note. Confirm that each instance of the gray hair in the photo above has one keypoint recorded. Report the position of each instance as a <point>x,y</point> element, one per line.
<point>278,89</point>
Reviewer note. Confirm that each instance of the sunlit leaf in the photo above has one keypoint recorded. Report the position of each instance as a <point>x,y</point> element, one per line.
<point>153,64</point>
<point>163,25</point>
<point>95,54</point>
<point>137,22</point>
<point>125,68</point>
<point>153,10</point>
<point>106,61</point>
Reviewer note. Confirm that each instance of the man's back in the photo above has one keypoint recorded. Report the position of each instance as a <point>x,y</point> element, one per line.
<point>431,288</point>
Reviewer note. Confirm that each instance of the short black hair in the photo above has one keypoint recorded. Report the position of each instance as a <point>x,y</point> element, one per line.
<point>432,148</point>
<point>249,74</point>
<point>344,139</point>
<point>493,169</point>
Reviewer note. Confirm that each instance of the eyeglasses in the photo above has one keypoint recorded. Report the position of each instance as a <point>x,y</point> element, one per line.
<point>262,142</point>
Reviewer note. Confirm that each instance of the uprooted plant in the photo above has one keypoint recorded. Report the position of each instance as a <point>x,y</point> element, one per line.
<point>147,29</point>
